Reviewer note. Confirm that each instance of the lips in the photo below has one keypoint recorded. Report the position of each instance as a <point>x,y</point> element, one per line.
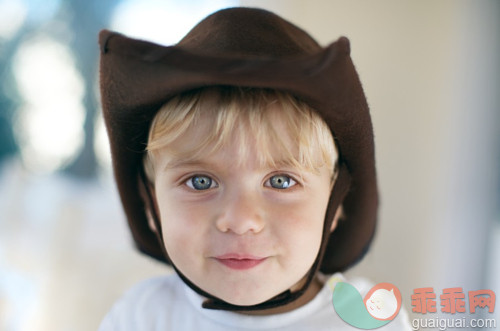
<point>239,261</point>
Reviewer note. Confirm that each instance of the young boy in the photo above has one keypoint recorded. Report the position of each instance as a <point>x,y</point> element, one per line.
<point>244,159</point>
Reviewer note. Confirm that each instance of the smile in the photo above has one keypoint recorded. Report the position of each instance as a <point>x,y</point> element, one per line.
<point>239,262</point>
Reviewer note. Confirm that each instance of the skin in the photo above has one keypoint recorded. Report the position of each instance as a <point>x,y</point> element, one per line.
<point>244,210</point>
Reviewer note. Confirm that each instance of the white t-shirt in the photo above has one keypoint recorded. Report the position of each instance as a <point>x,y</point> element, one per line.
<point>166,303</point>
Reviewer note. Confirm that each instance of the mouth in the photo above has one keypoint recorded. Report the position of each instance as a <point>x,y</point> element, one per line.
<point>239,261</point>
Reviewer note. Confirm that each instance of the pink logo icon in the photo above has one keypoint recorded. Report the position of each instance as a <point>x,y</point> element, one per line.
<point>383,301</point>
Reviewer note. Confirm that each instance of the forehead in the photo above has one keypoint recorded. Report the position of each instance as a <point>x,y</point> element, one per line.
<point>210,137</point>
<point>267,127</point>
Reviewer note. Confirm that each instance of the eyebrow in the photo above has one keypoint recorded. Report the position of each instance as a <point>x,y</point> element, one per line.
<point>197,162</point>
<point>179,163</point>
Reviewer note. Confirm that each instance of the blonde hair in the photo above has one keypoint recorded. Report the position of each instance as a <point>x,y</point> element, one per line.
<point>236,114</point>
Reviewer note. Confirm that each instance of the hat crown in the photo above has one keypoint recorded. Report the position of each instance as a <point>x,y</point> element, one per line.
<point>248,32</point>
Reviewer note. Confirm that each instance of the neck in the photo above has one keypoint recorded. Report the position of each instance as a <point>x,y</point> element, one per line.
<point>308,295</point>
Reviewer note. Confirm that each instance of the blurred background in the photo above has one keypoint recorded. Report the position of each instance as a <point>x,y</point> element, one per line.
<point>431,73</point>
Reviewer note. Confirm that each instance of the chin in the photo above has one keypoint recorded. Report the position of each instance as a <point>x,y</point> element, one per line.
<point>245,299</point>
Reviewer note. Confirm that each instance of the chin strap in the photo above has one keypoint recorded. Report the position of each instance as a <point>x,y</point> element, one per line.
<point>339,191</point>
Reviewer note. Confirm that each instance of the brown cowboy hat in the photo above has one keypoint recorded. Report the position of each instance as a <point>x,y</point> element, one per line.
<point>251,48</point>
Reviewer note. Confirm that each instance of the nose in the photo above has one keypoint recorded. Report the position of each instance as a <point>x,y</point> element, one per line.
<point>241,214</point>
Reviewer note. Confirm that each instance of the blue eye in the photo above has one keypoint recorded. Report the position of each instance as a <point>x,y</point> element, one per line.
<point>281,182</point>
<point>200,182</point>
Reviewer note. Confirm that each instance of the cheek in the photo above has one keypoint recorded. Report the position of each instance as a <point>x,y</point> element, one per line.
<point>306,217</point>
<point>304,229</point>
<point>299,229</point>
<point>303,224</point>
<point>182,224</point>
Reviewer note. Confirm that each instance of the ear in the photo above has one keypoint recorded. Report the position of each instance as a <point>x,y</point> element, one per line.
<point>156,211</point>
<point>151,222</point>
<point>336,218</point>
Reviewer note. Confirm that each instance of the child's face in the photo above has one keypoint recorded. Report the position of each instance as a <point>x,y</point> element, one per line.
<point>238,230</point>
